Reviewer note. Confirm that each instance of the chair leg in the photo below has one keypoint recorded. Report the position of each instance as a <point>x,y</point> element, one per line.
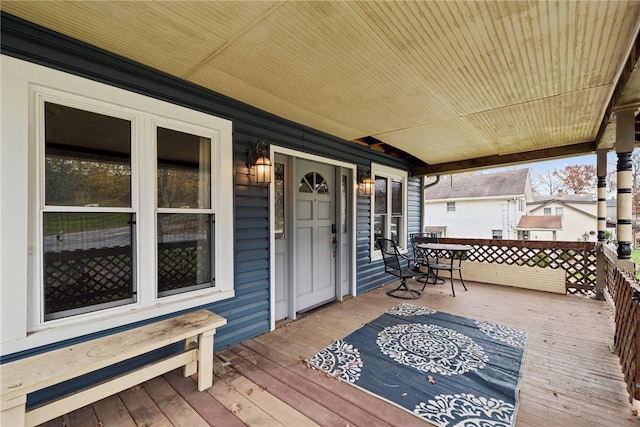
<point>402,287</point>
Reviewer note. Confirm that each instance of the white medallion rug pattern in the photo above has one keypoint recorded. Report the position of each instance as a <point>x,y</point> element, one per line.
<point>446,369</point>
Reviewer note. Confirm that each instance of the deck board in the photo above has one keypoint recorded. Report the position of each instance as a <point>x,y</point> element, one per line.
<point>345,391</point>
<point>142,408</point>
<point>283,390</point>
<point>179,412</point>
<point>570,377</point>
<point>111,411</point>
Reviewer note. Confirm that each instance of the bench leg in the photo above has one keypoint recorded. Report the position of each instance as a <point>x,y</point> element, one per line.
<point>190,369</point>
<point>205,360</point>
<point>13,412</point>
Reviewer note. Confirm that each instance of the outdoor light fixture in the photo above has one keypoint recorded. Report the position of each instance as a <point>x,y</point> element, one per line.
<point>260,163</point>
<point>366,185</point>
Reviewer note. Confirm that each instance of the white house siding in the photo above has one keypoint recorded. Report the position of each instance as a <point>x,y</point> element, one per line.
<point>576,220</point>
<point>475,219</point>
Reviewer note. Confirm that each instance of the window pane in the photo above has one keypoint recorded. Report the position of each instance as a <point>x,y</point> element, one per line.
<point>396,197</point>
<point>313,183</point>
<point>380,201</point>
<point>88,262</point>
<point>87,158</point>
<point>379,227</point>
<point>395,229</point>
<point>279,200</point>
<point>184,252</point>
<point>184,170</point>
<point>306,183</point>
<point>321,185</point>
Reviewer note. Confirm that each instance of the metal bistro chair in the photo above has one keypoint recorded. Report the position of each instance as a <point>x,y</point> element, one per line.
<point>453,264</point>
<point>421,257</point>
<point>393,264</point>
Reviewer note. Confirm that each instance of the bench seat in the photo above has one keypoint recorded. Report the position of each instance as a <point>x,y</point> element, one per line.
<point>34,373</point>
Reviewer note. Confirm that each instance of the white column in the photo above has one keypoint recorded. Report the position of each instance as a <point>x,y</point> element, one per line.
<point>625,136</point>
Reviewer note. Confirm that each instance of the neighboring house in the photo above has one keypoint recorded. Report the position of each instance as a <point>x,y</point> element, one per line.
<point>134,174</point>
<point>482,206</point>
<point>530,227</point>
<point>578,214</point>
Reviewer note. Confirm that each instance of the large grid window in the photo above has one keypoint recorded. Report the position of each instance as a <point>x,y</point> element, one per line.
<point>98,245</point>
<point>87,218</point>
<point>389,206</point>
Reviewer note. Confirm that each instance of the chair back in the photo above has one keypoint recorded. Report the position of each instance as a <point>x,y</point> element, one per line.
<point>418,238</point>
<point>390,255</point>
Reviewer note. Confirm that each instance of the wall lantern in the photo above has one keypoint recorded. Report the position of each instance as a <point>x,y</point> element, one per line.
<point>366,186</point>
<point>260,163</point>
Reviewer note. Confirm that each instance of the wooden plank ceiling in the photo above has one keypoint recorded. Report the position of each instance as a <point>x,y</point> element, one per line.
<point>452,84</point>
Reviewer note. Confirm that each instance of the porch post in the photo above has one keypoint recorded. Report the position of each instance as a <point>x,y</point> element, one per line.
<point>625,135</point>
<point>601,166</point>
<point>601,259</point>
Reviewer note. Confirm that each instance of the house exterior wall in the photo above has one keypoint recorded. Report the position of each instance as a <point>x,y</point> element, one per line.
<point>248,311</point>
<point>474,218</point>
<point>576,220</point>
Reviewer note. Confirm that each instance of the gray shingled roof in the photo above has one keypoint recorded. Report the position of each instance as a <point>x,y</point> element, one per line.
<point>507,183</point>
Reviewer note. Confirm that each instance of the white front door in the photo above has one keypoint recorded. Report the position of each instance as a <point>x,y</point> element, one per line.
<point>314,250</point>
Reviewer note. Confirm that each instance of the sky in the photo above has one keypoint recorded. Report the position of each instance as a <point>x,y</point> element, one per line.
<point>539,168</point>
<point>558,164</point>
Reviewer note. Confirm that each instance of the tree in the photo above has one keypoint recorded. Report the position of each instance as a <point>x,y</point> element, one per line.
<point>578,178</point>
<point>547,182</point>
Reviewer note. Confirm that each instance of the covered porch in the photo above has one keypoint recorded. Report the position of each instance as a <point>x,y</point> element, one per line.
<point>570,375</point>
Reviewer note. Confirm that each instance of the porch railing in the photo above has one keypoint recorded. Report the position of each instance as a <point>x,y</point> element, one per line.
<point>577,259</point>
<point>623,293</point>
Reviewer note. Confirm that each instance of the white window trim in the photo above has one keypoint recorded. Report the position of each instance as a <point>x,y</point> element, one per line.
<point>21,320</point>
<point>394,174</point>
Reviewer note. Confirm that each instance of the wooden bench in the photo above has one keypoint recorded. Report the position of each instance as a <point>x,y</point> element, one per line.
<point>30,374</point>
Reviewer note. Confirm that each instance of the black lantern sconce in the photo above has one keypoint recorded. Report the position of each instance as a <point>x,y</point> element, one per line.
<point>366,184</point>
<point>259,163</point>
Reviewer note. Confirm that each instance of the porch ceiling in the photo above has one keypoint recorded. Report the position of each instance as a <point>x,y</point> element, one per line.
<point>458,85</point>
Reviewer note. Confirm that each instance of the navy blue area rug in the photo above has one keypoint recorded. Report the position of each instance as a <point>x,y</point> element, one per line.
<point>448,370</point>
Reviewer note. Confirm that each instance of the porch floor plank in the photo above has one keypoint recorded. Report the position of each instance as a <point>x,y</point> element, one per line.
<point>570,377</point>
<point>301,382</point>
<point>142,408</point>
<point>111,411</point>
<point>84,416</point>
<point>172,404</point>
<point>243,407</point>
<point>365,401</point>
<point>283,390</point>
<point>210,409</point>
<point>286,415</point>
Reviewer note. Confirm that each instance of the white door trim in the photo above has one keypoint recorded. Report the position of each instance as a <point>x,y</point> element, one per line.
<point>273,149</point>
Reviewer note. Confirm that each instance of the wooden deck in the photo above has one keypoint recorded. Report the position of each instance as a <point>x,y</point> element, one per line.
<point>570,376</point>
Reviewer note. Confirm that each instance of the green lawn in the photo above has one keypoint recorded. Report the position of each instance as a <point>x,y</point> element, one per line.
<point>635,257</point>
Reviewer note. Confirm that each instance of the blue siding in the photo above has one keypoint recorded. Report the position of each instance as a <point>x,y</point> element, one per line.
<point>247,313</point>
